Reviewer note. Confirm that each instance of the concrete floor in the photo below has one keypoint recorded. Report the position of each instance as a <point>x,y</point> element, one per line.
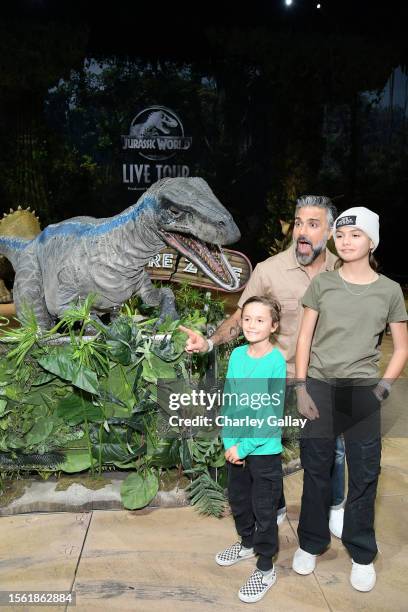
<point>148,560</point>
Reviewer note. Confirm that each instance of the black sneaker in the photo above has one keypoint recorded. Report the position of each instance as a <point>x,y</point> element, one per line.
<point>257,585</point>
<point>233,554</point>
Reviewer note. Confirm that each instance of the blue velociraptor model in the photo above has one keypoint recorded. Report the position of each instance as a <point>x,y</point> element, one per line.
<point>84,255</point>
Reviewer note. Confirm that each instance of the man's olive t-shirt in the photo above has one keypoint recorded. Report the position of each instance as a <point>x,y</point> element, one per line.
<point>348,331</point>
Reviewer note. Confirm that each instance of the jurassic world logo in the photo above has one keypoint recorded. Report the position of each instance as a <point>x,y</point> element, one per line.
<point>156,133</point>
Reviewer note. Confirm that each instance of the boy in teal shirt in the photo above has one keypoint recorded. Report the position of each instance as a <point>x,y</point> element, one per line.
<point>254,396</point>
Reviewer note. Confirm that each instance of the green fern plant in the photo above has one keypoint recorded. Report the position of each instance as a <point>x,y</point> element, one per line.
<point>25,337</point>
<point>206,495</point>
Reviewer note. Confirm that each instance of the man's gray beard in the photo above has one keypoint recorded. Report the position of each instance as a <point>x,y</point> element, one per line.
<point>306,260</point>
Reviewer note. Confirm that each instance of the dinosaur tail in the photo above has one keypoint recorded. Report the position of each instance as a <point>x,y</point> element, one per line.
<point>11,248</point>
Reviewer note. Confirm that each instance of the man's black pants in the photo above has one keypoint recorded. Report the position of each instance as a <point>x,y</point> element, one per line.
<point>355,412</point>
<point>254,490</point>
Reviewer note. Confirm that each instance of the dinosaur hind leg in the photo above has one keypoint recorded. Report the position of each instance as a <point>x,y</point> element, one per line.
<point>28,294</point>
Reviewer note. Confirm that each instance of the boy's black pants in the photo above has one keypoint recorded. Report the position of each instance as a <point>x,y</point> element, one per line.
<point>354,411</point>
<point>254,491</point>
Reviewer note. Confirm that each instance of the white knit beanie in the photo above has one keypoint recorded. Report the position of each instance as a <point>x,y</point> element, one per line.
<point>364,219</point>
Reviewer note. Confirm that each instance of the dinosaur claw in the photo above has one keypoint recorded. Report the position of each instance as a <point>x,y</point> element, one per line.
<point>168,313</point>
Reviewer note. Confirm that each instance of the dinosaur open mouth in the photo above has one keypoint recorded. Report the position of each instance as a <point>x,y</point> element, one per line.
<point>208,257</point>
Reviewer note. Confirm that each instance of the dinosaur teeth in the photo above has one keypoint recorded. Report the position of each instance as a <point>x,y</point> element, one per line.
<point>209,254</point>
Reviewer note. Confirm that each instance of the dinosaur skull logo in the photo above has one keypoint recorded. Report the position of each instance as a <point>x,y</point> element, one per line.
<point>156,133</point>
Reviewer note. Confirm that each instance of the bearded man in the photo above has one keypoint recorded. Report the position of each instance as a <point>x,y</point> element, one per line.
<point>285,277</point>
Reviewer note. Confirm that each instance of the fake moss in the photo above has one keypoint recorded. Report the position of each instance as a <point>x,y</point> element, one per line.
<point>89,482</point>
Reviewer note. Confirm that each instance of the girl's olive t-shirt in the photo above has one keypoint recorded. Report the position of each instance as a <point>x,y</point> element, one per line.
<point>349,328</point>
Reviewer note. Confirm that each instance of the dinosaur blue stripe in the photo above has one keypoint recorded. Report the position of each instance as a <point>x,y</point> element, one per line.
<point>79,228</point>
<point>14,243</point>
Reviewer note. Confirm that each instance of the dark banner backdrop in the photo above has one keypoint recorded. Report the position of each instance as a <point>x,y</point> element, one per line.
<point>93,110</point>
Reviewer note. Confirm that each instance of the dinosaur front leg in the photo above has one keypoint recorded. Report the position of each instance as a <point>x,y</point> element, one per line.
<point>153,296</point>
<point>115,313</point>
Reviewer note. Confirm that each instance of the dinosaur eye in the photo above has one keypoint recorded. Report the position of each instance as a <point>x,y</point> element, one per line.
<point>175,212</point>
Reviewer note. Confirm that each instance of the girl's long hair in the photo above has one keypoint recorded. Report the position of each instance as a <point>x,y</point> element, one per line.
<point>371,260</point>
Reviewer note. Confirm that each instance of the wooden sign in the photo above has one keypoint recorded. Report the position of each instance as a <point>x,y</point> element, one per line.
<point>163,267</point>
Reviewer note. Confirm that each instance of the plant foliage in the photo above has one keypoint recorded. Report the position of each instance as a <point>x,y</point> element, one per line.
<point>71,401</point>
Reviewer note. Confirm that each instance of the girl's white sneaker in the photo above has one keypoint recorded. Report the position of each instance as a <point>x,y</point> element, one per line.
<point>303,562</point>
<point>362,577</point>
<point>336,520</point>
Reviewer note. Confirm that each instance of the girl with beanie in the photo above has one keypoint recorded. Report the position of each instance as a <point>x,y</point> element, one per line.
<point>337,367</point>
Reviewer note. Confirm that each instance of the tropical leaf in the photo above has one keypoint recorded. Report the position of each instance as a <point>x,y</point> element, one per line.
<point>185,453</point>
<point>85,379</point>
<point>157,368</point>
<point>119,386</point>
<point>166,454</point>
<point>14,393</point>
<point>119,351</point>
<point>76,460</point>
<point>41,429</point>
<point>60,362</point>
<point>42,379</point>
<point>209,452</point>
<point>3,406</point>
<point>14,441</point>
<point>116,453</point>
<point>137,422</point>
<point>108,452</point>
<point>74,409</point>
<point>195,320</point>
<point>41,396</point>
<point>139,489</point>
<point>120,329</point>
<point>113,445</point>
<point>166,349</point>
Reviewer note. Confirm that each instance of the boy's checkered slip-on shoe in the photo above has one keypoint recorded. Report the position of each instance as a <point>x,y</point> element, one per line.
<point>233,554</point>
<point>256,586</point>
